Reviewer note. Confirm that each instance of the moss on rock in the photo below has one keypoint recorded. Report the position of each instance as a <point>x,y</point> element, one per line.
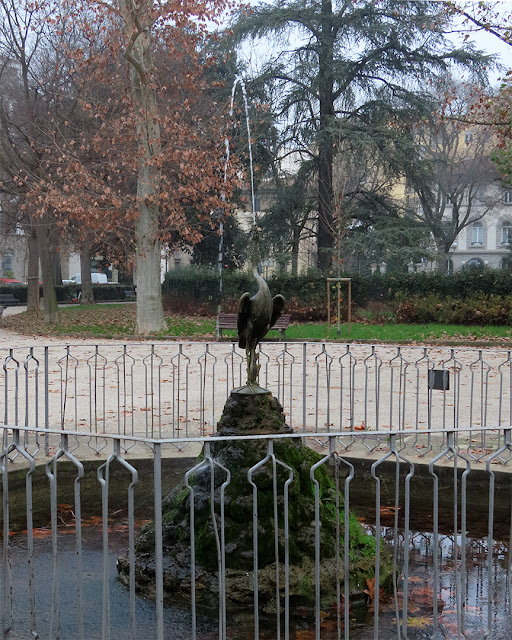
<point>290,459</point>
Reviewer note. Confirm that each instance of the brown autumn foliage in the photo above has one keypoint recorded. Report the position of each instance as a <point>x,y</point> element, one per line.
<point>91,174</point>
<point>489,107</point>
<point>132,146</point>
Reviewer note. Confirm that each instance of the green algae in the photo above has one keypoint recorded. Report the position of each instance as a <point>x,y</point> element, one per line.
<point>263,474</point>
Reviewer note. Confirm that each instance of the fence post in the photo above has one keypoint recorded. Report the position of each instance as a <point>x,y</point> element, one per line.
<point>46,401</point>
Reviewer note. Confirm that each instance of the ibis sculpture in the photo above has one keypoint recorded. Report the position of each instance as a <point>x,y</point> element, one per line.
<point>256,314</point>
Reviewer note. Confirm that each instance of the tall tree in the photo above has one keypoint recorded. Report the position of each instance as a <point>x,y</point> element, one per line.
<point>490,107</point>
<point>450,176</point>
<point>288,218</point>
<point>32,108</point>
<point>149,155</point>
<point>347,60</point>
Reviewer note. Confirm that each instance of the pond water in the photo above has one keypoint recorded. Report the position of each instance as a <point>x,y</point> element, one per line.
<point>177,620</point>
<point>422,584</point>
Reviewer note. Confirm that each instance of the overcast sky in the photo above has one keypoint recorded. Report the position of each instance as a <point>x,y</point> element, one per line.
<point>491,44</point>
<point>483,41</point>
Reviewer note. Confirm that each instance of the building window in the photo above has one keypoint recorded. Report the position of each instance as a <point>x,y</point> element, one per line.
<point>468,137</point>
<point>475,263</point>
<point>449,267</point>
<point>506,233</point>
<point>8,265</point>
<point>507,196</point>
<point>477,234</point>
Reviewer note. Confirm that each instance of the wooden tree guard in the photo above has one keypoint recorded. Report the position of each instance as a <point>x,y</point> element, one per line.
<point>349,319</point>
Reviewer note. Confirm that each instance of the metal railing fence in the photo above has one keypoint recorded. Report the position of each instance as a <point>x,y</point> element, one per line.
<point>173,389</point>
<point>451,573</point>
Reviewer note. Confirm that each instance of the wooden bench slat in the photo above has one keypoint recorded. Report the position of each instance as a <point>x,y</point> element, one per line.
<point>229,321</point>
<point>8,299</point>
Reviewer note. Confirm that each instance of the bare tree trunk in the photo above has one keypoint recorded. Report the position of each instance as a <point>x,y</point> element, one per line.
<point>442,262</point>
<point>443,253</point>
<point>33,274</point>
<point>57,272</point>
<point>295,250</point>
<point>326,139</point>
<point>150,317</point>
<point>87,296</point>
<point>51,313</point>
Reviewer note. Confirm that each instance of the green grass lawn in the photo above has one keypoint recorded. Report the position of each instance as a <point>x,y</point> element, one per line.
<point>393,332</point>
<point>118,321</point>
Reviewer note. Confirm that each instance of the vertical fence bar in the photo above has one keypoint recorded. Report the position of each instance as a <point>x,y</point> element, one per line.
<point>104,482</point>
<point>490,545</point>
<point>78,546</point>
<point>55,591</point>
<point>46,401</point>
<point>159,563</point>
<point>374,475</point>
<point>30,542</point>
<point>7,572</point>
<point>304,387</point>
<point>463,544</point>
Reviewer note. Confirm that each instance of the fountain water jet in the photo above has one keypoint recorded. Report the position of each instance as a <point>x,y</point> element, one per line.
<point>238,81</point>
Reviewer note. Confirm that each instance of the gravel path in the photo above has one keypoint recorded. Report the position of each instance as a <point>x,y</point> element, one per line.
<point>178,389</point>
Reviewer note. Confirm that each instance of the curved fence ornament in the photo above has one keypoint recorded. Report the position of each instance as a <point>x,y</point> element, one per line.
<point>270,457</point>
<point>63,452</point>
<point>218,526</point>
<point>334,457</point>
<point>461,559</point>
<point>179,389</point>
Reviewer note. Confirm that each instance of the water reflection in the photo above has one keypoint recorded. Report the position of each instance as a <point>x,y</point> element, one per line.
<point>465,580</point>
<point>177,620</point>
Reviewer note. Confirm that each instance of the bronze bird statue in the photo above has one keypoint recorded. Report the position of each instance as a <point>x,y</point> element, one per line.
<point>256,314</point>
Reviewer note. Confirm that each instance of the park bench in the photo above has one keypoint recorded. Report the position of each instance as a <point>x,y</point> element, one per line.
<point>8,300</point>
<point>228,321</point>
<point>130,295</point>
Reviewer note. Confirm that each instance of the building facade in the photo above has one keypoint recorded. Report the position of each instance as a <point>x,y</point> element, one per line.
<point>487,241</point>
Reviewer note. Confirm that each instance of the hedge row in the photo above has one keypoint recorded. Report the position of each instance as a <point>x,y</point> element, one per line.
<point>68,292</point>
<point>201,285</point>
<point>480,309</point>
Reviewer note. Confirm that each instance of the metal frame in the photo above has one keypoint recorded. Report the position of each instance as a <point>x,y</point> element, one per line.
<point>480,596</point>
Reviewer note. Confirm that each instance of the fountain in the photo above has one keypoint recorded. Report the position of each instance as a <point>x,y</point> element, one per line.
<point>257,520</point>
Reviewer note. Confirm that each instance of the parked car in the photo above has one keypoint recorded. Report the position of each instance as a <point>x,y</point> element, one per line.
<point>11,281</point>
<point>96,278</point>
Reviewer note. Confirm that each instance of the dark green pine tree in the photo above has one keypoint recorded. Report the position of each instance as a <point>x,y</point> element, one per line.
<point>339,66</point>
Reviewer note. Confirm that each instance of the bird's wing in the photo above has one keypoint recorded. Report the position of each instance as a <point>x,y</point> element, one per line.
<point>277,308</point>
<point>244,314</point>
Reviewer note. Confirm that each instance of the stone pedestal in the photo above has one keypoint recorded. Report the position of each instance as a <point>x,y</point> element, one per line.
<point>254,414</point>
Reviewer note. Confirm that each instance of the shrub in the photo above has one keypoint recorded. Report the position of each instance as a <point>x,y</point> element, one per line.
<point>18,291</point>
<point>110,292</point>
<point>480,309</point>
<point>472,296</point>
<point>68,292</point>
<point>201,284</point>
